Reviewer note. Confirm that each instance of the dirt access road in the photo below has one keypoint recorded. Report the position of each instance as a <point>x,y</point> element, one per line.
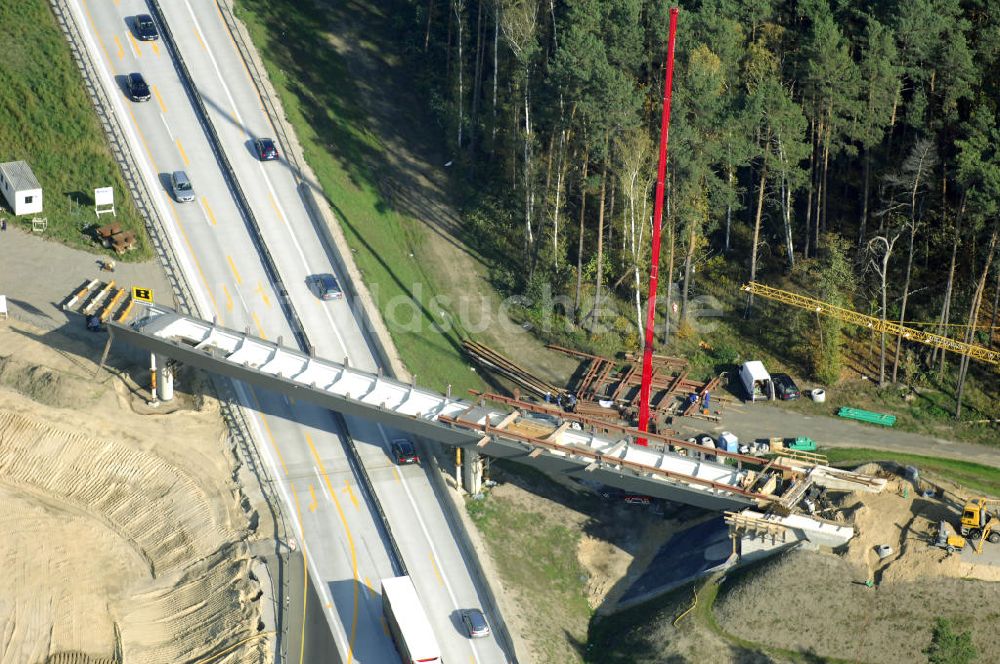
<point>760,421</point>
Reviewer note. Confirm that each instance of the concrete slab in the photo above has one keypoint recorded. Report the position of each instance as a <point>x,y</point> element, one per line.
<point>36,275</point>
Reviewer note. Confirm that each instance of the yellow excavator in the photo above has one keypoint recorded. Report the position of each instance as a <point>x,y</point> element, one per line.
<point>978,524</point>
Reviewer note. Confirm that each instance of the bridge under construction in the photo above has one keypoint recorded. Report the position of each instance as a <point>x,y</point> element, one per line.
<point>543,437</point>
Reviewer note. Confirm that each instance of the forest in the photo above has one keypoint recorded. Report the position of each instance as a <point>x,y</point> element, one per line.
<point>845,148</point>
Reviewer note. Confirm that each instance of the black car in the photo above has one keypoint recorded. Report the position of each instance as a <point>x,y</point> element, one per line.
<point>266,149</point>
<point>784,387</point>
<point>404,452</point>
<point>138,89</point>
<point>327,287</point>
<point>145,29</point>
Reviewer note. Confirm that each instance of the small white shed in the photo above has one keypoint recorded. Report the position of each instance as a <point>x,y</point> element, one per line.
<point>756,381</point>
<point>20,188</point>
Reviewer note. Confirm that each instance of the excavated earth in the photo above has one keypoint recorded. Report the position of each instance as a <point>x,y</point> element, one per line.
<point>122,537</point>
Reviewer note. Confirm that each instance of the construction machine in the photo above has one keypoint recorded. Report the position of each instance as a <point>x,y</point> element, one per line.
<point>981,519</point>
<point>948,539</point>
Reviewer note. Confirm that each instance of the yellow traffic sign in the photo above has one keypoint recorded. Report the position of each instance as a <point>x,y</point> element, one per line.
<point>142,294</point>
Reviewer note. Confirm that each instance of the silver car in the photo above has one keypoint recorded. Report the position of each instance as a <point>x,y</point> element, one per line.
<point>475,623</point>
<point>180,184</point>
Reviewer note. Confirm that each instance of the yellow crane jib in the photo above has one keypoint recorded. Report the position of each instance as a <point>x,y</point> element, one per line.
<point>873,323</point>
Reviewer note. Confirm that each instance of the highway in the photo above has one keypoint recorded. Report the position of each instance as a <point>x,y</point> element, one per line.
<point>346,550</point>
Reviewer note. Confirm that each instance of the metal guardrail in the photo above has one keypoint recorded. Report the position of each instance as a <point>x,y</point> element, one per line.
<point>275,119</point>
<point>235,418</point>
<point>355,459</point>
<point>309,197</point>
<point>464,541</point>
<point>123,155</point>
<point>230,409</point>
<point>270,266</point>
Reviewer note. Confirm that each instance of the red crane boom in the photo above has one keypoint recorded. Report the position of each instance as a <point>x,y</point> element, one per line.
<point>654,271</point>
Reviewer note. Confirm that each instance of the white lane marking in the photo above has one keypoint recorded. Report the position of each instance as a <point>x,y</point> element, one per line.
<point>203,305</point>
<point>267,180</point>
<point>169,133</point>
<point>430,543</point>
<point>322,484</point>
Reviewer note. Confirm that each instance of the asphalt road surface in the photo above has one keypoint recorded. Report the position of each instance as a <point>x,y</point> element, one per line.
<point>346,550</point>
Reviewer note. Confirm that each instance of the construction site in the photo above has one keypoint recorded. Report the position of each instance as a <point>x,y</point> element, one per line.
<point>246,469</point>
<point>772,506</point>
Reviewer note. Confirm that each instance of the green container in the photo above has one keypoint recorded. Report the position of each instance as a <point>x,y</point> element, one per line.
<point>860,415</point>
<point>802,444</point>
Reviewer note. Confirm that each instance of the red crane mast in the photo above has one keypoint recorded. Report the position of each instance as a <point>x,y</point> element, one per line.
<point>654,271</point>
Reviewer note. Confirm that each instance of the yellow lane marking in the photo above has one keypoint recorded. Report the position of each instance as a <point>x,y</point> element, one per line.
<point>142,137</point>
<point>350,544</point>
<point>305,579</point>
<point>232,266</point>
<point>138,53</point>
<point>93,29</point>
<point>263,294</point>
<point>159,99</point>
<point>229,299</point>
<point>437,572</point>
<point>350,492</point>
<point>208,210</point>
<point>173,210</point>
<point>260,328</point>
<point>315,503</point>
<point>156,49</point>
<point>267,427</point>
<point>121,49</point>
<point>395,473</point>
<point>371,588</point>
<point>277,210</point>
<point>180,148</point>
<point>197,34</point>
<point>201,273</point>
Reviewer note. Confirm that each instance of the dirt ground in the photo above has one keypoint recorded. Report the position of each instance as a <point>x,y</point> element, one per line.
<point>563,553</point>
<point>122,538</point>
<point>820,601</point>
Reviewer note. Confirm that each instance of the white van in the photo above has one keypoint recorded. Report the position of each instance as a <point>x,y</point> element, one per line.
<point>756,381</point>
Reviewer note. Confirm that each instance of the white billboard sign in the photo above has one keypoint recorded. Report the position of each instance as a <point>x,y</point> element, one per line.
<point>104,200</point>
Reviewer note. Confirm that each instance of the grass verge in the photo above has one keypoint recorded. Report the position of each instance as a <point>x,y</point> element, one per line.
<point>971,475</point>
<point>535,548</point>
<point>321,101</point>
<point>48,121</point>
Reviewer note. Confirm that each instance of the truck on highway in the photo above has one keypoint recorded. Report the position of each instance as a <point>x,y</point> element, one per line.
<point>408,624</point>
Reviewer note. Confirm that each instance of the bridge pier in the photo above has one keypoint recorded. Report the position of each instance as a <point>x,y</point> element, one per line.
<point>163,378</point>
<point>472,471</point>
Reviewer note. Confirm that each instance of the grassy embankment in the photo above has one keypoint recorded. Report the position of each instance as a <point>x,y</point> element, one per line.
<point>973,476</point>
<point>321,100</point>
<point>47,120</point>
<point>535,554</point>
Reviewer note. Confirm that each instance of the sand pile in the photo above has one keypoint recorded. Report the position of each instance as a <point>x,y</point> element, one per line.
<point>121,537</point>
